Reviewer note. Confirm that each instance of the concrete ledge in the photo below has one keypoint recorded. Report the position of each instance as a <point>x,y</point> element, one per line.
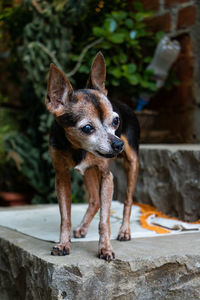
<point>166,267</point>
<point>171,147</point>
<point>168,179</point>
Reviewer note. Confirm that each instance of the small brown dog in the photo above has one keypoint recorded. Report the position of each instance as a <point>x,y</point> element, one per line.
<point>87,133</point>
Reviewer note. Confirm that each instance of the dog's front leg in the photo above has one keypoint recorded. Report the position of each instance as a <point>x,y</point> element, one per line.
<point>63,191</point>
<point>105,249</point>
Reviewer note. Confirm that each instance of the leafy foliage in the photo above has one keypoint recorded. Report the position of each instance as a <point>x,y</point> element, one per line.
<point>27,148</point>
<point>69,33</point>
<point>124,42</point>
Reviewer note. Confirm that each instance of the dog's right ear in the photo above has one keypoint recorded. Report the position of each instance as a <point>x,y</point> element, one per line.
<point>58,90</point>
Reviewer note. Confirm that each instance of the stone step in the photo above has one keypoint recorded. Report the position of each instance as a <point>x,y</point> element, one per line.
<point>165,267</point>
<point>168,179</point>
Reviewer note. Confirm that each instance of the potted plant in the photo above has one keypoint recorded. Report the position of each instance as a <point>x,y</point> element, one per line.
<point>13,188</point>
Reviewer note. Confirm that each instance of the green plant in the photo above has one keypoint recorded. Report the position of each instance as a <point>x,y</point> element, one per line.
<point>124,39</point>
<point>27,148</point>
<point>50,32</point>
<point>12,21</point>
<point>6,125</point>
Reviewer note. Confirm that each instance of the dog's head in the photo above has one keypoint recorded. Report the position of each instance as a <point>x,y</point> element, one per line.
<point>86,115</point>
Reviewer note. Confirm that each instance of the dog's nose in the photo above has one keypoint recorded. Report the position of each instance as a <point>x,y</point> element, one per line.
<point>117,145</point>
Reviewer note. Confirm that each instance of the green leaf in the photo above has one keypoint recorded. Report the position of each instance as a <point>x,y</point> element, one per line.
<point>5,128</point>
<point>116,72</point>
<point>134,44</point>
<point>140,16</point>
<point>74,57</point>
<point>138,6</point>
<point>148,84</point>
<point>129,23</point>
<point>133,34</point>
<point>159,35</point>
<point>147,59</point>
<point>115,59</point>
<point>119,15</point>
<point>133,79</point>
<point>149,73</point>
<point>84,69</point>
<point>117,38</point>
<point>98,31</point>
<point>59,4</point>
<point>115,82</point>
<point>124,68</point>
<point>123,58</point>
<point>107,60</point>
<point>106,45</point>
<point>110,24</point>
<point>131,68</point>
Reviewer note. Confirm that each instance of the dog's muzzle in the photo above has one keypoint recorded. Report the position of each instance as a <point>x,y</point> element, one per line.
<point>117,146</point>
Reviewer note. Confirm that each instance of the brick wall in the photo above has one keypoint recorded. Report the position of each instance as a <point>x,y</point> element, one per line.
<point>177,18</point>
<point>180,19</point>
<point>172,16</point>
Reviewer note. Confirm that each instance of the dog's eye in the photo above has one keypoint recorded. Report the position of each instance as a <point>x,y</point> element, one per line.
<point>115,122</point>
<point>87,129</point>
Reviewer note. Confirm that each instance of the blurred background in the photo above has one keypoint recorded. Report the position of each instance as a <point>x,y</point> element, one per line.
<point>34,33</point>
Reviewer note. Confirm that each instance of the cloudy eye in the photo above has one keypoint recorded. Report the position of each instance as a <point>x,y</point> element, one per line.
<point>115,122</point>
<point>87,129</point>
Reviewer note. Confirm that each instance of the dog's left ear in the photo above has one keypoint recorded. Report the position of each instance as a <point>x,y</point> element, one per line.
<point>97,76</point>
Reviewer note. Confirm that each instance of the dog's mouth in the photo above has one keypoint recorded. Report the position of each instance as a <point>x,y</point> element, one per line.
<point>108,155</point>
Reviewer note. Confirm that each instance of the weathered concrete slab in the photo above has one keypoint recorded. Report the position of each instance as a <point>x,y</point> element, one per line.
<point>166,267</point>
<point>31,218</point>
<point>168,179</point>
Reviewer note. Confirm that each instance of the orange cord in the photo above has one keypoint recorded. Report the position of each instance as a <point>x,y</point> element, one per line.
<point>148,210</point>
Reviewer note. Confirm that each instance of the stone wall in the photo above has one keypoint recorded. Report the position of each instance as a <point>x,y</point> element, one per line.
<point>168,179</point>
<point>144,269</point>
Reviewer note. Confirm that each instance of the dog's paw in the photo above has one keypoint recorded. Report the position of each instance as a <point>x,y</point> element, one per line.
<point>61,249</point>
<point>108,255</point>
<point>124,235</point>
<point>80,232</point>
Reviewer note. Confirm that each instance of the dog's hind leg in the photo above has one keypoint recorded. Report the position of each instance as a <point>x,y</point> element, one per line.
<point>91,179</point>
<point>131,167</point>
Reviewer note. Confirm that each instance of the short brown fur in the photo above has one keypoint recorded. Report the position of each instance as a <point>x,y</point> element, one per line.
<point>89,107</point>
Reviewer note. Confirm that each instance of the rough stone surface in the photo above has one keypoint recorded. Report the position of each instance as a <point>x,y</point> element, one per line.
<point>166,267</point>
<point>168,179</point>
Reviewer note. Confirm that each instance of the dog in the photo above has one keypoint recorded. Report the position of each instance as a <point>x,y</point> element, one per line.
<point>88,132</point>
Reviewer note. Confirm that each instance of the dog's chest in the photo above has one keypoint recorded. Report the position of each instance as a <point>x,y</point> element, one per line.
<point>90,161</point>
